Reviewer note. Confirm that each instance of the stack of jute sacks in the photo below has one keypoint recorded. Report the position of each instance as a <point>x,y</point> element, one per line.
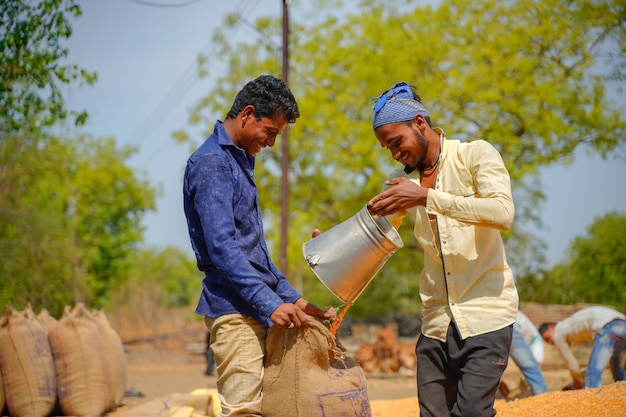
<point>76,363</point>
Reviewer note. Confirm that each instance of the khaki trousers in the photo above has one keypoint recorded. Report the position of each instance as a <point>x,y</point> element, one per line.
<point>238,344</point>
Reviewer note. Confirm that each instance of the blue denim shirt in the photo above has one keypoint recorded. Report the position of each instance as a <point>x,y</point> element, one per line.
<point>226,232</point>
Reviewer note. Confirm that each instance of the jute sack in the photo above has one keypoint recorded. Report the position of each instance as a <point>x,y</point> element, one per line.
<point>2,324</point>
<point>47,320</point>
<point>1,394</point>
<point>82,369</point>
<point>308,375</point>
<point>26,365</point>
<point>114,350</point>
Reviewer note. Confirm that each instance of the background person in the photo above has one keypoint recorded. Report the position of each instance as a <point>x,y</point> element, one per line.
<point>527,352</point>
<point>243,293</point>
<point>603,326</point>
<point>618,361</point>
<point>460,197</point>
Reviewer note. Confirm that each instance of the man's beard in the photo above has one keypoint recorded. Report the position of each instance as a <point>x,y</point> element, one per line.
<point>419,161</point>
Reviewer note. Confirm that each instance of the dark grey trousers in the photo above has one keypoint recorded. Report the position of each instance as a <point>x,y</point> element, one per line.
<point>460,378</point>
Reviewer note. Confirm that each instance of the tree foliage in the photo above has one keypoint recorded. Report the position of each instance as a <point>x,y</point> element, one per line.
<point>71,224</point>
<point>519,74</point>
<point>31,68</point>
<point>594,273</point>
<point>158,279</point>
<point>70,206</point>
<point>598,261</point>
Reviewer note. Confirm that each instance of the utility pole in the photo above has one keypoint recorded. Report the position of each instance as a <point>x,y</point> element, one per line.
<point>284,162</point>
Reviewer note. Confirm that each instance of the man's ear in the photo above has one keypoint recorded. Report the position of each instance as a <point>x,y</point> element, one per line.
<point>247,111</point>
<point>419,122</point>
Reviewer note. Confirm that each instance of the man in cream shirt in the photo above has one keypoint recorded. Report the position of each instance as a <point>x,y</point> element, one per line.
<point>459,194</point>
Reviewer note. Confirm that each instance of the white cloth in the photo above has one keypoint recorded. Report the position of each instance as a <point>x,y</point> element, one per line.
<point>531,335</point>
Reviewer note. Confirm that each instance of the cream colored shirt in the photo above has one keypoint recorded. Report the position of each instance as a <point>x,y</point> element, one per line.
<point>466,278</point>
<point>581,327</point>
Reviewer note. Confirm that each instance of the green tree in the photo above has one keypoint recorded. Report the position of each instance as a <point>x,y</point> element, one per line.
<point>73,224</point>
<point>519,74</point>
<point>31,68</point>
<point>593,274</point>
<point>108,200</point>
<point>158,279</point>
<point>35,265</point>
<point>70,208</point>
<point>547,287</point>
<point>598,262</point>
<point>31,77</point>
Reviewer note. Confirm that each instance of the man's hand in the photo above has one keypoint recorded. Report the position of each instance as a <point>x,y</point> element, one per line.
<point>575,384</point>
<point>294,316</point>
<point>403,194</point>
<point>311,309</point>
<point>289,316</point>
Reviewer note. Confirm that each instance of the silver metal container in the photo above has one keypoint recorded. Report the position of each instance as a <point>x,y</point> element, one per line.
<point>347,257</point>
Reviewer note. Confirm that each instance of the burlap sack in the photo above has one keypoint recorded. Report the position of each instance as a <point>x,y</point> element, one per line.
<point>114,350</point>
<point>26,365</point>
<point>47,320</point>
<point>307,375</point>
<point>3,321</point>
<point>82,369</point>
<point>1,394</point>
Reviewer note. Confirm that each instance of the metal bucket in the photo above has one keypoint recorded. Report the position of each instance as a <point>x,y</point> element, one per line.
<point>347,257</point>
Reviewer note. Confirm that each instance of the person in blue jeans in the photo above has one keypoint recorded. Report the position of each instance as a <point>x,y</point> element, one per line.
<point>527,353</point>
<point>618,361</point>
<point>603,326</point>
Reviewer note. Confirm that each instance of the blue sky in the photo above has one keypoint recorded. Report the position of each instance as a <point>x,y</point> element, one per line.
<point>145,59</point>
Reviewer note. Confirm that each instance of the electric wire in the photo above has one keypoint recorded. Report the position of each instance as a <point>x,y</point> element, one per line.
<point>175,94</point>
<point>170,5</point>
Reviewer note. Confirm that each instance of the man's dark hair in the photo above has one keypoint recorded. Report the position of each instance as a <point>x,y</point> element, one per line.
<point>270,97</point>
<point>544,327</point>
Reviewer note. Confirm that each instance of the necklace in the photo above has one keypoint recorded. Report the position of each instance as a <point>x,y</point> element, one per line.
<point>433,166</point>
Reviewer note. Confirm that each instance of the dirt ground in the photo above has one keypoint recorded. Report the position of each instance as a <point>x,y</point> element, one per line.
<point>176,363</point>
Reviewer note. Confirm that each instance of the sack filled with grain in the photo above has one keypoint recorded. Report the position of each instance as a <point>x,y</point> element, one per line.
<point>308,375</point>
<point>1,393</point>
<point>114,350</point>
<point>3,320</point>
<point>26,365</point>
<point>46,319</point>
<point>82,368</point>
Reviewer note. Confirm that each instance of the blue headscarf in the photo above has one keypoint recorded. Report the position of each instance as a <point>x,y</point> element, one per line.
<point>398,104</point>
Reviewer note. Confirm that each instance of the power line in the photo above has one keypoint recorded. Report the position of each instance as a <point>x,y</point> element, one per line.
<point>171,5</point>
<point>174,95</point>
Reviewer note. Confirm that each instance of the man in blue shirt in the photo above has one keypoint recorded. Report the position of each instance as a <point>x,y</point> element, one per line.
<point>243,292</point>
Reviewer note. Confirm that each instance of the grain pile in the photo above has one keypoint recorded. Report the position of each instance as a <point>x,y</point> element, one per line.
<point>606,401</point>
